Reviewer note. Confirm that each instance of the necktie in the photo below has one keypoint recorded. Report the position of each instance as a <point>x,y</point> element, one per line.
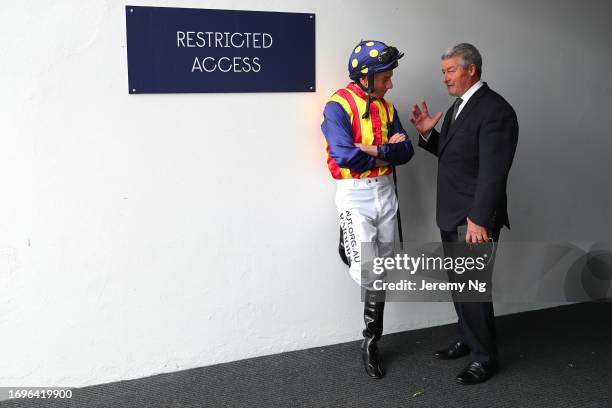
<point>458,102</point>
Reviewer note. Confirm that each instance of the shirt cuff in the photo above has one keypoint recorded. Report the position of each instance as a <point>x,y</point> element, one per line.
<point>425,137</point>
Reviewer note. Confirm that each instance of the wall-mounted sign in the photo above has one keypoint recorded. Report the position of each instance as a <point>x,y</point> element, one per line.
<point>198,50</point>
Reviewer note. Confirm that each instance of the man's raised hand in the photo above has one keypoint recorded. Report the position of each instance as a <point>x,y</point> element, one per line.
<point>421,119</point>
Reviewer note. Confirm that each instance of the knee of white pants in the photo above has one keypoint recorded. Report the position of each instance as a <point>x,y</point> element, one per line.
<point>355,273</point>
<point>365,278</point>
<point>386,249</point>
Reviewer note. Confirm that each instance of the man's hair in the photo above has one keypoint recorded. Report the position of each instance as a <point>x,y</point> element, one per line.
<point>468,53</point>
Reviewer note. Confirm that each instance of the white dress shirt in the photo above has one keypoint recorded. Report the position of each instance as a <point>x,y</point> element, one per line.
<point>467,95</point>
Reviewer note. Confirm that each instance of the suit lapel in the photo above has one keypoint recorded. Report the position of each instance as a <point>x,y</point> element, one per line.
<point>450,132</point>
<point>444,130</point>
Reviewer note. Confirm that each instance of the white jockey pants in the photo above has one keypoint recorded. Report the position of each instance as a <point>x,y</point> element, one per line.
<point>366,210</point>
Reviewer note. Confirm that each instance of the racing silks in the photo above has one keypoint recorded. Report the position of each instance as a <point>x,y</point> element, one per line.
<point>343,127</point>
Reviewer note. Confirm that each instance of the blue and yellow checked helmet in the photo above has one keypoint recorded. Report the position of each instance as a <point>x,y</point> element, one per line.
<point>369,57</point>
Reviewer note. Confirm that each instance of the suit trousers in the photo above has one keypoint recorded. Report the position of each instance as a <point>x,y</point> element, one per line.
<point>476,319</point>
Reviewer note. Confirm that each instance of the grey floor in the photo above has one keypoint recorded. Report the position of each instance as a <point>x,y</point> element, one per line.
<point>560,357</point>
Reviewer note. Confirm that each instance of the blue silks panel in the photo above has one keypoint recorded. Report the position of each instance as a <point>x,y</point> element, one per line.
<point>181,50</point>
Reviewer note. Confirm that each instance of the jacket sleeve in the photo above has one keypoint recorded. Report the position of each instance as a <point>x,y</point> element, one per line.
<point>431,145</point>
<point>496,147</point>
<point>397,153</point>
<point>336,127</point>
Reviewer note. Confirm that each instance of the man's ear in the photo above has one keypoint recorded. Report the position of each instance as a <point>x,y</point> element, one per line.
<point>472,69</point>
<point>364,82</point>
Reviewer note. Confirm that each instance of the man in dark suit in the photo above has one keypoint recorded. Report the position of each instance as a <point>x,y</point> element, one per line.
<point>475,149</point>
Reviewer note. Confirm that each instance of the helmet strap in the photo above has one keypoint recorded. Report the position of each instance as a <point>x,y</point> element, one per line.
<point>370,90</point>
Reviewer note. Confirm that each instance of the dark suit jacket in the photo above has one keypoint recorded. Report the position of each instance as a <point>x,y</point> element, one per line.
<point>474,158</point>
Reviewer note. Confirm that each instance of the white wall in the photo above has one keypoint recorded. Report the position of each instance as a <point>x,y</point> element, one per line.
<point>142,234</point>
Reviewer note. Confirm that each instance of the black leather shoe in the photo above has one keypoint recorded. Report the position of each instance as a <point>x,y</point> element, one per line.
<point>476,373</point>
<point>455,351</point>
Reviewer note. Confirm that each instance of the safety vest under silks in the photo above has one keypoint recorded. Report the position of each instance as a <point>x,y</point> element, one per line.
<point>373,130</point>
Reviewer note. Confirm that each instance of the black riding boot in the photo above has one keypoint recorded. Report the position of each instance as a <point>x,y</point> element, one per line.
<point>374,305</point>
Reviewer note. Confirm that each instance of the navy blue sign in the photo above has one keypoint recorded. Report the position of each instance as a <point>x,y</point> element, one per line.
<point>198,50</point>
